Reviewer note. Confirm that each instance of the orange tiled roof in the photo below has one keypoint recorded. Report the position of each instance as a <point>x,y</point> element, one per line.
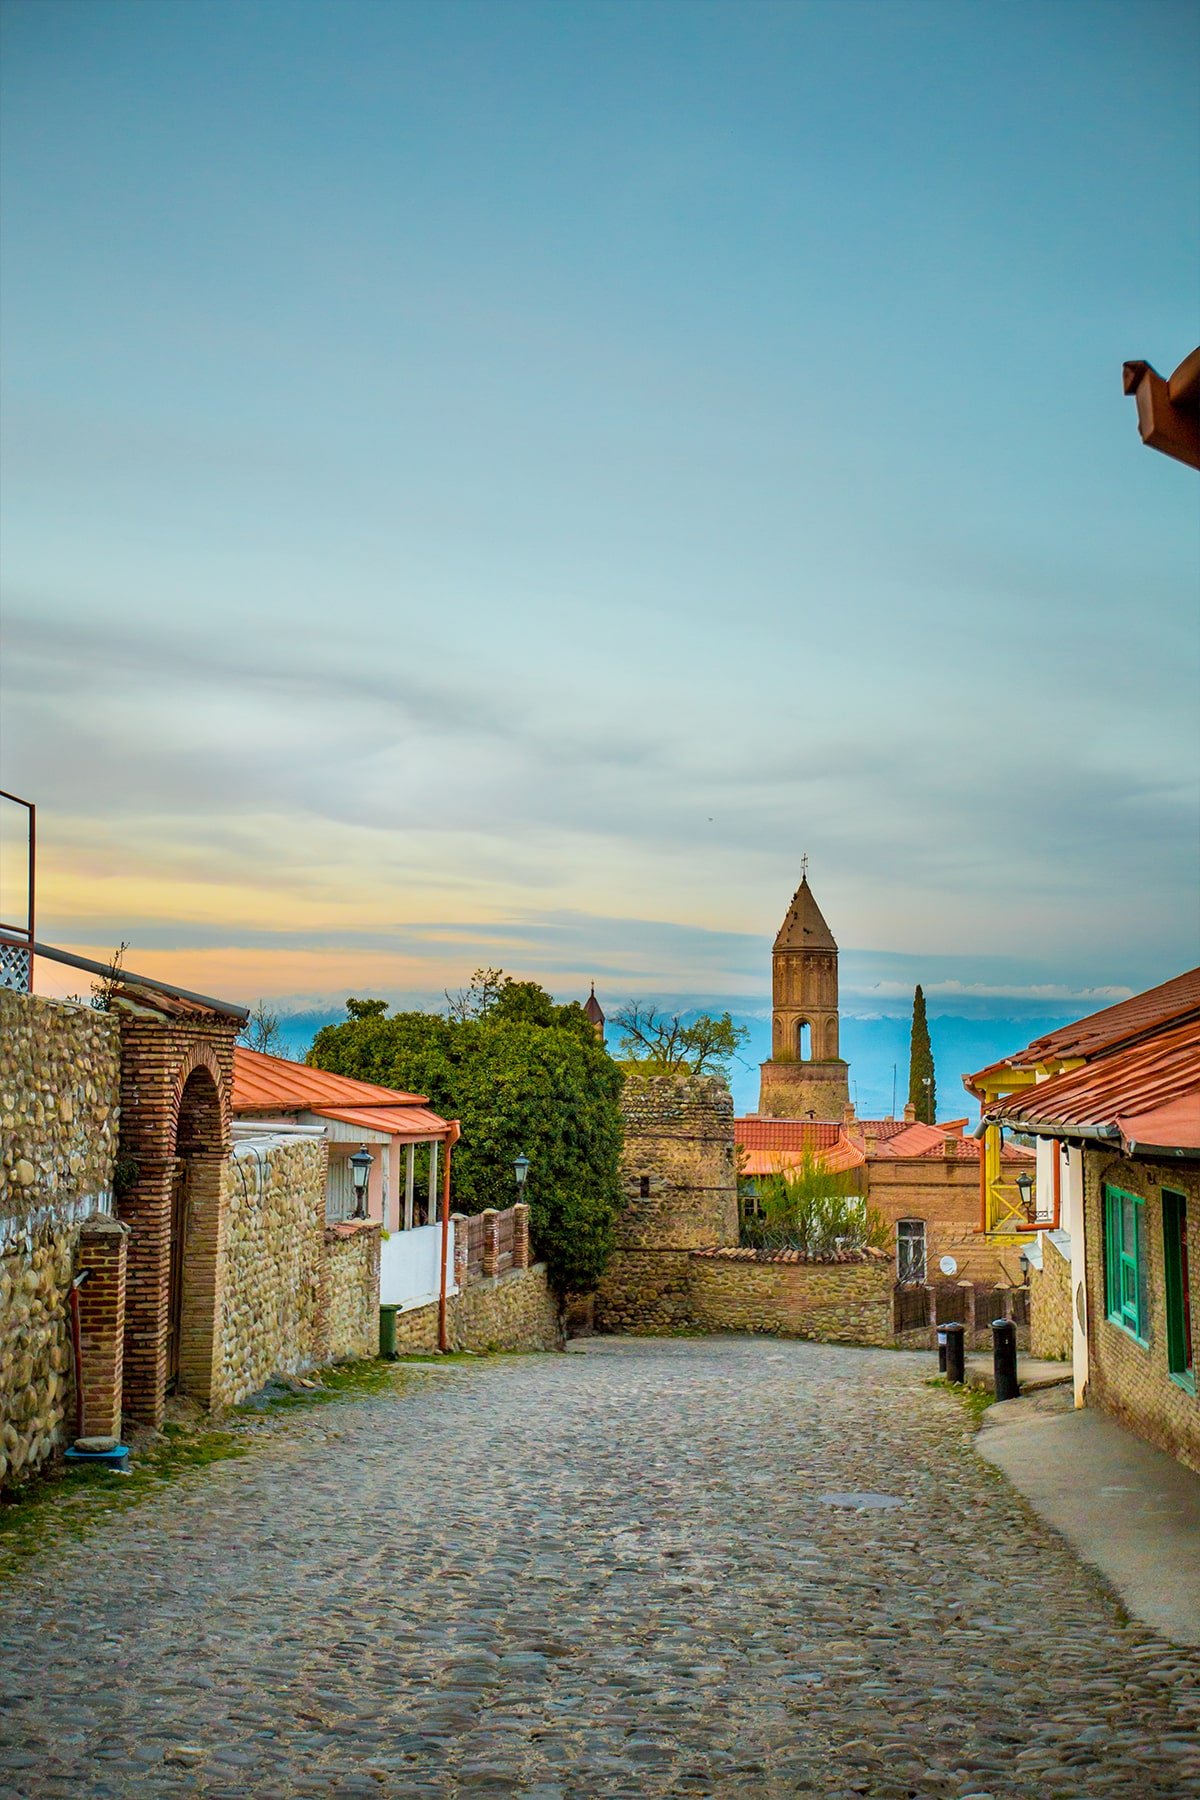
<point>1146,1096</point>
<point>1104,1031</point>
<point>785,1134</point>
<point>269,1083</point>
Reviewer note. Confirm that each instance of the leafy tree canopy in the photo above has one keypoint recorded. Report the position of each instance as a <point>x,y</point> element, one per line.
<point>667,1044</point>
<point>523,1075</point>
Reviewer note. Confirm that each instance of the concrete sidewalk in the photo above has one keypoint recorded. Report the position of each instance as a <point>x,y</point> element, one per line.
<point>1126,1508</point>
<point>1033,1372</point>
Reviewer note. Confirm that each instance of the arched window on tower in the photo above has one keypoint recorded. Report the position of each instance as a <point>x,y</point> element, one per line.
<point>804,1041</point>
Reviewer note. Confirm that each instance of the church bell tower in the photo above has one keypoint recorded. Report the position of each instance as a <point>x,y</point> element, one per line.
<point>806,1077</point>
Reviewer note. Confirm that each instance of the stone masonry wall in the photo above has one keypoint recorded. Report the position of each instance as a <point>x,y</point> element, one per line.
<point>1050,1325</point>
<point>350,1298</point>
<point>679,1174</point>
<point>1127,1378</point>
<point>59,1083</point>
<point>513,1311</point>
<point>274,1247</point>
<point>846,1303</point>
<point>645,1291</point>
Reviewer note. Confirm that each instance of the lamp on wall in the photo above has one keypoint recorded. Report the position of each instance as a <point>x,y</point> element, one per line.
<point>360,1168</point>
<point>1025,1189</point>
<point>521,1170</point>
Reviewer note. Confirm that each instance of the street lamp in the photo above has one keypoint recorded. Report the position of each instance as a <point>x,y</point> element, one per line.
<point>360,1168</point>
<point>1025,1189</point>
<point>521,1170</point>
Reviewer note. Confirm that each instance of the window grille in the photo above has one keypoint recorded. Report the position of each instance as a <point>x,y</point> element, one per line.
<point>910,1250</point>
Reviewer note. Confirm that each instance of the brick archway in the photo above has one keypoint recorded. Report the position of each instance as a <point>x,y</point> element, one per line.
<point>195,1248</point>
<point>176,1083</point>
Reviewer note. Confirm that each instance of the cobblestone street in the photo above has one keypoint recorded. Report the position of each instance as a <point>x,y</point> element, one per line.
<point>629,1570</point>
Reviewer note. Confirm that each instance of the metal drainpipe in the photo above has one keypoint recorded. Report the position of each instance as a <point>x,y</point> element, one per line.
<point>452,1137</point>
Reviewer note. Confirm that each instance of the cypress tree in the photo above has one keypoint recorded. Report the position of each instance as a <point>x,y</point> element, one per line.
<point>920,1064</point>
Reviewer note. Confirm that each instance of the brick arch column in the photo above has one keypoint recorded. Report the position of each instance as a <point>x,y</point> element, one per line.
<point>176,1083</point>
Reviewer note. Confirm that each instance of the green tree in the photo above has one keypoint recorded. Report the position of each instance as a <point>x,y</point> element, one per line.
<point>922,1087</point>
<point>666,1044</point>
<point>810,1208</point>
<point>523,1076</point>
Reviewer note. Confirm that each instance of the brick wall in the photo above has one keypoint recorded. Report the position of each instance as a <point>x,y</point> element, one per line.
<point>944,1191</point>
<point>1126,1378</point>
<point>59,1078</point>
<point>102,1250</point>
<point>1050,1306</point>
<point>846,1303</point>
<point>176,1079</point>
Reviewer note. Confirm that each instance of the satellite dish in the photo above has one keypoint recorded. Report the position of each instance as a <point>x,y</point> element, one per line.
<point>948,1266</point>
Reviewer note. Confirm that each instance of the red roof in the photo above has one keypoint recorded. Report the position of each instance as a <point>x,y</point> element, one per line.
<point>1176,999</point>
<point>269,1084</point>
<point>261,1081</point>
<point>785,1134</point>
<point>1146,1095</point>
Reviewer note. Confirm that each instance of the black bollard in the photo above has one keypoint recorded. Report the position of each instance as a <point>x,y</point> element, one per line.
<point>941,1344</point>
<point>1004,1359</point>
<point>956,1368</point>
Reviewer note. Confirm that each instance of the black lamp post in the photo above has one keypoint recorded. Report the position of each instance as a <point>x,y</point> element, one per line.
<point>1025,1189</point>
<point>521,1170</point>
<point>360,1168</point>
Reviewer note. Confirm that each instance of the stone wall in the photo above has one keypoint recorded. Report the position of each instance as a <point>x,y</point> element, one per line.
<point>513,1311</point>
<point>350,1297</point>
<point>1128,1378</point>
<point>1050,1322</point>
<point>273,1245</point>
<point>679,1173</point>
<point>645,1291</point>
<point>59,1084</point>
<point>776,1293</point>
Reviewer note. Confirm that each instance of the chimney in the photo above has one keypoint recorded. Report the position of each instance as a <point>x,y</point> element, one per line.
<point>848,1113</point>
<point>910,1114</point>
<point>950,1144</point>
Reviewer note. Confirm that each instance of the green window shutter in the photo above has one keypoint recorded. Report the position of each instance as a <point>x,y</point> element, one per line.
<point>1126,1269</point>
<point>1180,1363</point>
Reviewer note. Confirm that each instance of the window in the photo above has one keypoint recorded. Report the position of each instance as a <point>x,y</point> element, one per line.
<point>910,1250</point>
<point>339,1190</point>
<point>643,1187</point>
<point>1126,1283</point>
<point>804,1041</point>
<point>1179,1301</point>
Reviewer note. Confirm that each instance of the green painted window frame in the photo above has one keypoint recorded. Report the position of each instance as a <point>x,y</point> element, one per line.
<point>1177,1279</point>
<point>1126,1274</point>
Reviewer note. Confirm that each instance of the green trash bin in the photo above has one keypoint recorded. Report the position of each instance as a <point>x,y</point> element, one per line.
<point>387,1333</point>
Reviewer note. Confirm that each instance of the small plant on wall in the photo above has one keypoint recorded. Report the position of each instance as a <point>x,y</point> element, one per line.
<point>810,1208</point>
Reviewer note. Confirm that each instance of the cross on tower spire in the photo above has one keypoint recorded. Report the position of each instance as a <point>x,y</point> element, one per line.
<point>804,867</point>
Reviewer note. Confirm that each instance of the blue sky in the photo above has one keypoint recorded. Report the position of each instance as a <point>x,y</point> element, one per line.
<point>497,483</point>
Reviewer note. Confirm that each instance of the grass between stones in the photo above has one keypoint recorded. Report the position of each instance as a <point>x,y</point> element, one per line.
<point>975,1400</point>
<point>69,1503</point>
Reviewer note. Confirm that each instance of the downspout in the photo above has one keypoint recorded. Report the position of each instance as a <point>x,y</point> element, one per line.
<point>1056,1185</point>
<point>452,1137</point>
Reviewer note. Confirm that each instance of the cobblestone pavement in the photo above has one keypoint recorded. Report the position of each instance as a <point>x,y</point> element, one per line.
<point>615,1572</point>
